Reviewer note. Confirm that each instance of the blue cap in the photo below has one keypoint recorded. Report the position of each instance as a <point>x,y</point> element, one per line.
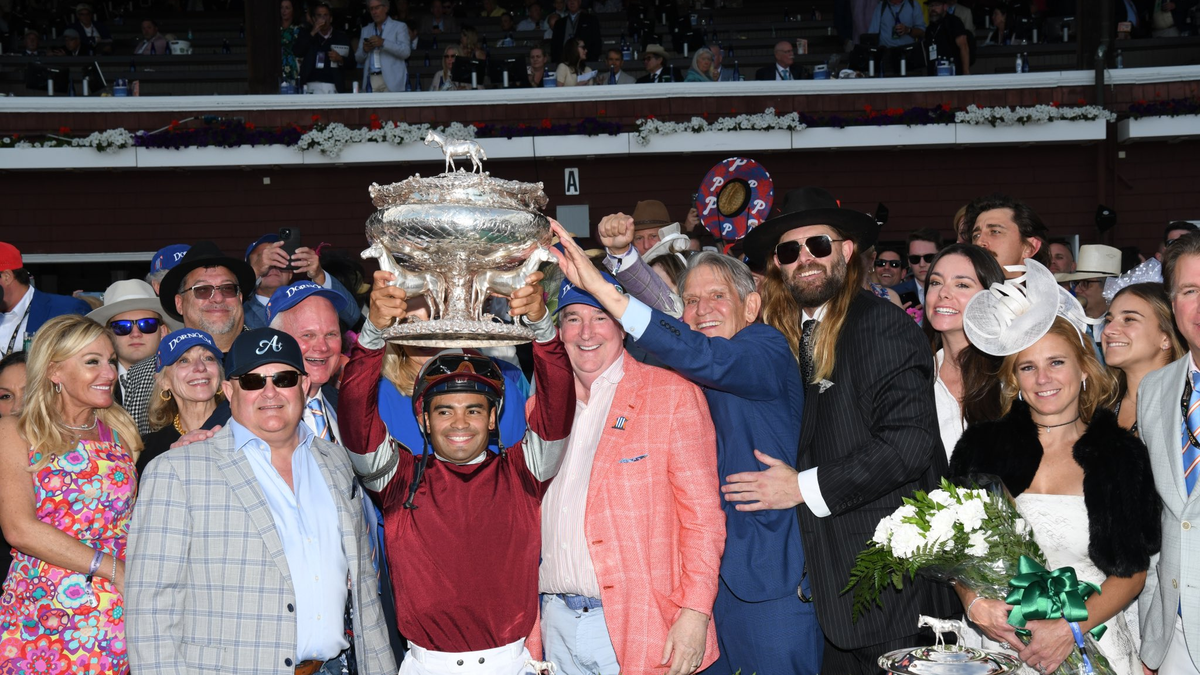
<point>260,347</point>
<point>173,345</point>
<point>570,294</point>
<point>168,257</point>
<point>287,297</point>
<point>265,239</point>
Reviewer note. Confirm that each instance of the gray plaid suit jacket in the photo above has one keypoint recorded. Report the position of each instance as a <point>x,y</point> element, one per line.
<point>208,587</point>
<point>1173,580</point>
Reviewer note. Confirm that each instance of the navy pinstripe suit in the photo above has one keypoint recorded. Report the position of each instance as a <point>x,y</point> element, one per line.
<point>874,437</point>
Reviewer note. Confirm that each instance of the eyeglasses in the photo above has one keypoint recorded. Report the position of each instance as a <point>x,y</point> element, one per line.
<point>125,326</point>
<point>894,264</point>
<point>915,259</point>
<point>206,291</point>
<point>284,379</point>
<point>819,246</point>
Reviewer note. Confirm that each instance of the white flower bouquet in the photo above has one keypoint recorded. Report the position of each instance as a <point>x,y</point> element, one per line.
<point>975,537</point>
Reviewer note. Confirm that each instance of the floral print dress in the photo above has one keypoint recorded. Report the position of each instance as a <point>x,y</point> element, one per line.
<point>291,67</point>
<point>51,622</point>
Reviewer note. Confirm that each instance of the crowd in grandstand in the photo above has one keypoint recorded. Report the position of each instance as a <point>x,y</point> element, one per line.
<point>387,45</point>
<point>227,465</point>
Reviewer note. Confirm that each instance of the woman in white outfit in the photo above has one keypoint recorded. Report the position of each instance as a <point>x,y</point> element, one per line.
<point>1081,481</point>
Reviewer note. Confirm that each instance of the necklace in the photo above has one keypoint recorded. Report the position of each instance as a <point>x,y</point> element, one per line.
<point>1048,427</point>
<point>86,427</point>
<point>178,426</point>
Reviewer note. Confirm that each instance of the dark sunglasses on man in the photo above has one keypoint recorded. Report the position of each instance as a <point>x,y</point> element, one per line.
<point>894,264</point>
<point>284,379</point>
<point>916,259</point>
<point>819,246</point>
<point>125,326</point>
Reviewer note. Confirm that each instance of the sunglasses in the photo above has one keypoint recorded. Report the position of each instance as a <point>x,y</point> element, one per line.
<point>125,326</point>
<point>448,364</point>
<point>284,379</point>
<point>928,258</point>
<point>819,246</point>
<point>206,291</point>
<point>894,264</point>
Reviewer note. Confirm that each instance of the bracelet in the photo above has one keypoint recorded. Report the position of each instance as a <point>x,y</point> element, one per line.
<point>97,557</point>
<point>977,599</point>
<point>114,574</point>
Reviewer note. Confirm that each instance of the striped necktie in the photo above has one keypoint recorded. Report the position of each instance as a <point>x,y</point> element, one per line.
<point>1191,453</point>
<point>320,422</point>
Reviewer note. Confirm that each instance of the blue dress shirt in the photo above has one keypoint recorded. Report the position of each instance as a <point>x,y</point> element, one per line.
<point>307,523</point>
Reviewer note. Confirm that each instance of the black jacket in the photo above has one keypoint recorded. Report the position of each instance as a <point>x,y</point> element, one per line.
<point>872,435</point>
<point>587,29</point>
<point>1124,510</point>
<point>308,46</point>
<point>669,73</point>
<point>768,72</point>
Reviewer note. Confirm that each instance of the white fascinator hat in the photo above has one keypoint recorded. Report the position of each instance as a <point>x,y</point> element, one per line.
<point>1012,316</point>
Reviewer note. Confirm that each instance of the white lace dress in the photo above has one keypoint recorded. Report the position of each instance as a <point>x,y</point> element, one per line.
<point>1060,527</point>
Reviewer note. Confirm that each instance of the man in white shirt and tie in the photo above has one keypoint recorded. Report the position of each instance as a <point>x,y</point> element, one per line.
<point>308,312</point>
<point>784,68</point>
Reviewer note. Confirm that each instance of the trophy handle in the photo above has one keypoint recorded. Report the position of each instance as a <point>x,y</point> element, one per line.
<point>412,283</point>
<point>504,283</point>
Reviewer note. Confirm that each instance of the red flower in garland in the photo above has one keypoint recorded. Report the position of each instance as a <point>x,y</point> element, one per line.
<point>479,125</point>
<point>1081,102</point>
<point>1141,101</point>
<point>173,125</point>
<point>1054,104</point>
<point>602,112</point>
<point>546,124</point>
<point>316,118</point>
<point>250,126</point>
<point>62,130</point>
<point>375,123</point>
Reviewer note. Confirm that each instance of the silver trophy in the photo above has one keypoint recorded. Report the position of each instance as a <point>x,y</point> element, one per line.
<point>943,659</point>
<point>456,239</point>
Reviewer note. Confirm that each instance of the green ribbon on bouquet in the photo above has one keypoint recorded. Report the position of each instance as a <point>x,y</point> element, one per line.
<point>1037,593</point>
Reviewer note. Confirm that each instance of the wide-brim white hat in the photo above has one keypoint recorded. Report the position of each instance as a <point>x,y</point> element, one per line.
<point>1095,261</point>
<point>670,240</point>
<point>127,296</point>
<point>1011,316</point>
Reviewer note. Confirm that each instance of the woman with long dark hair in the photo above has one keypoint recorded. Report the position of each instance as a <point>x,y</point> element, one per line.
<point>571,71</point>
<point>966,390</point>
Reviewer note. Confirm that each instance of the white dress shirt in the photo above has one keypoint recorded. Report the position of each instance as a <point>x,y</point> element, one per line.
<point>950,420</point>
<point>17,320</point>
<point>566,563</point>
<point>810,489</point>
<point>307,523</point>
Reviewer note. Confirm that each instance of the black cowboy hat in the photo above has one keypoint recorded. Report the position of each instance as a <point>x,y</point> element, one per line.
<point>203,254</point>
<point>809,206</point>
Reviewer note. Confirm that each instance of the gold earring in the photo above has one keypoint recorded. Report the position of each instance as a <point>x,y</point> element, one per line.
<point>165,394</point>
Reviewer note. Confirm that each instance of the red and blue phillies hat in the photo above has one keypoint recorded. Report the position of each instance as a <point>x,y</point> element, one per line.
<point>168,257</point>
<point>734,197</point>
<point>287,297</point>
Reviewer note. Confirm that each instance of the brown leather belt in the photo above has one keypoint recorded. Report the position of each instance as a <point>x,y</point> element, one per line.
<point>308,667</point>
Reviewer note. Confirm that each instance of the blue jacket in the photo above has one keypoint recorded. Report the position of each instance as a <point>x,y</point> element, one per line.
<point>756,398</point>
<point>46,306</point>
<point>256,312</point>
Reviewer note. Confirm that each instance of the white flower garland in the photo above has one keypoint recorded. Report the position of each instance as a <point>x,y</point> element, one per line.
<point>764,121</point>
<point>1038,114</point>
<point>333,138</point>
<point>103,141</point>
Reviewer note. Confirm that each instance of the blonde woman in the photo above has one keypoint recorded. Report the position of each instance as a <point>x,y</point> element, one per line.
<point>187,389</point>
<point>67,488</point>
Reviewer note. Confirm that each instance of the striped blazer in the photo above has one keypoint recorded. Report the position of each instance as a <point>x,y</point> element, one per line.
<point>208,587</point>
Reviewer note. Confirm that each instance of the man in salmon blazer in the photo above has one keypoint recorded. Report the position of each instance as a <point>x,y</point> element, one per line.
<point>632,526</point>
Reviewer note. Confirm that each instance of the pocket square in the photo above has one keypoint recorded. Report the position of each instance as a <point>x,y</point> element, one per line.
<point>823,385</point>
<point>630,460</point>
<point>620,423</point>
